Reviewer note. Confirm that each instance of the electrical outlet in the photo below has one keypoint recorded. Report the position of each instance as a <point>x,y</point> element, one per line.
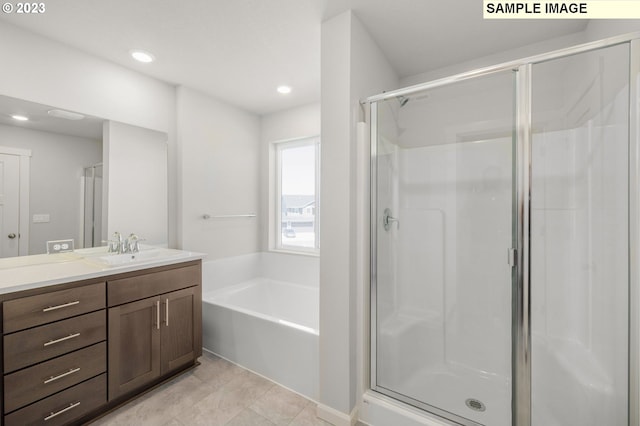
<point>59,246</point>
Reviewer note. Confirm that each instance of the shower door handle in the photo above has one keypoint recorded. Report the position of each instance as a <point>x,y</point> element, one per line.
<point>512,257</point>
<point>388,220</point>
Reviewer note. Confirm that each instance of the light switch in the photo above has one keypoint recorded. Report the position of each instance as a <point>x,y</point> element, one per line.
<point>41,218</point>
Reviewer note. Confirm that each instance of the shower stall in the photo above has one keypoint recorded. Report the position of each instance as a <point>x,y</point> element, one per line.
<point>92,206</point>
<point>504,241</point>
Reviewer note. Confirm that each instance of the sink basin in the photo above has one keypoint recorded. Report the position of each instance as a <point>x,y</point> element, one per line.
<point>144,255</point>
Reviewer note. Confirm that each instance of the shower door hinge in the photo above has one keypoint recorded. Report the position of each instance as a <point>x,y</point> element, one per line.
<point>513,257</point>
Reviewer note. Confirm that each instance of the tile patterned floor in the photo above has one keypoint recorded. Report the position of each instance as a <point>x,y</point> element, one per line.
<point>216,393</point>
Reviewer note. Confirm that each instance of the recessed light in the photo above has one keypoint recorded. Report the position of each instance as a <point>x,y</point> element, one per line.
<point>20,117</point>
<point>142,56</point>
<point>284,89</point>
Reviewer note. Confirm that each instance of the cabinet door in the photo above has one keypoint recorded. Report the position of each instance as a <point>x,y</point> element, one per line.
<point>179,328</point>
<point>134,345</point>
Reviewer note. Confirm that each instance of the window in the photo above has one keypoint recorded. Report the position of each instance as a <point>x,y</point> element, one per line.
<point>297,195</point>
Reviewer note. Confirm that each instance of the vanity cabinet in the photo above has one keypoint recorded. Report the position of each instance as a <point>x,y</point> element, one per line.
<point>54,342</point>
<point>73,351</point>
<point>154,336</point>
<point>181,326</point>
<point>134,335</point>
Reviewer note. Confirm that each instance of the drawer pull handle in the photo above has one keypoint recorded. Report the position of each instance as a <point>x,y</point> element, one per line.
<point>64,305</point>
<point>62,339</point>
<point>60,376</point>
<point>158,315</point>
<point>167,313</point>
<point>64,410</point>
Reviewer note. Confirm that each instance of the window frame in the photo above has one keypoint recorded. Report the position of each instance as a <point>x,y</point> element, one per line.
<point>276,196</point>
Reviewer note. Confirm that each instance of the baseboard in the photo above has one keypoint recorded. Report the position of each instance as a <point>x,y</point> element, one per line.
<point>337,418</point>
<point>307,397</point>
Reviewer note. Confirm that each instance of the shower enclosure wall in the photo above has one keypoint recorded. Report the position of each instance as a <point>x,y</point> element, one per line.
<point>504,241</point>
<point>92,206</point>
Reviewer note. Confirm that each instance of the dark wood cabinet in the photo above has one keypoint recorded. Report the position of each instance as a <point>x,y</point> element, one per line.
<point>38,344</point>
<point>179,332</point>
<point>53,350</point>
<point>26,312</point>
<point>155,336</point>
<point>134,336</point>
<point>63,408</point>
<point>75,350</point>
<point>44,379</point>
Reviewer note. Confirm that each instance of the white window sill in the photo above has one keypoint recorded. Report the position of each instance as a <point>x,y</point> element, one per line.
<point>297,252</point>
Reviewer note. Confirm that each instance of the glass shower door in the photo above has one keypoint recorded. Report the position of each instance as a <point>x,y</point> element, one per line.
<point>580,239</point>
<point>92,200</point>
<point>443,220</point>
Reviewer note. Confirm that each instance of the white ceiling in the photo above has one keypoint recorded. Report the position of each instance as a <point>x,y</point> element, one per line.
<point>40,119</point>
<point>239,51</point>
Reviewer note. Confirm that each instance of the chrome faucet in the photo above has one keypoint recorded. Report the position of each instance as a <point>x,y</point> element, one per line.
<point>116,243</point>
<point>120,245</point>
<point>388,220</point>
<point>133,243</point>
<point>124,246</point>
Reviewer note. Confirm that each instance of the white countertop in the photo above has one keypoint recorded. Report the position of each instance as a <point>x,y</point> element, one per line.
<point>26,272</point>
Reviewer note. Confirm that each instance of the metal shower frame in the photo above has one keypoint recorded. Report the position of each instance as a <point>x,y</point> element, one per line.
<point>521,349</point>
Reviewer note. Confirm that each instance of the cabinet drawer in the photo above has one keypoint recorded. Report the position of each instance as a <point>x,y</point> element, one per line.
<point>31,311</point>
<point>28,347</point>
<point>31,384</point>
<point>142,286</point>
<point>63,407</point>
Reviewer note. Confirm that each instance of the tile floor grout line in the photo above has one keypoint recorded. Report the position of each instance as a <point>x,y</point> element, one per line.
<point>217,392</point>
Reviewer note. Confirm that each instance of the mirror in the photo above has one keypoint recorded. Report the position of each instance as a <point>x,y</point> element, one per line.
<point>55,180</point>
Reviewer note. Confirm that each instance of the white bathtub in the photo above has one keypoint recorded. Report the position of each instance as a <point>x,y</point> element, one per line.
<point>266,325</point>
